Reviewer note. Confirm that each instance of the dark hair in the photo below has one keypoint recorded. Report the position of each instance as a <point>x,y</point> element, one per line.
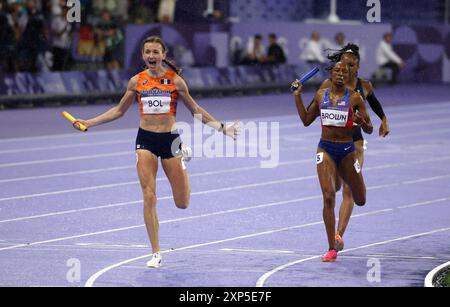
<point>349,48</point>
<point>157,39</point>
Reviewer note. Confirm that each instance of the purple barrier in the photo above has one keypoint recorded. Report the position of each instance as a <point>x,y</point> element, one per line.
<point>206,78</point>
<point>63,83</point>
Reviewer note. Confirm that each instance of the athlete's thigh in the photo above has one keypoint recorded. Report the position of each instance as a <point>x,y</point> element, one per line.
<point>178,178</point>
<point>147,167</point>
<point>350,170</point>
<point>359,150</point>
<point>326,170</point>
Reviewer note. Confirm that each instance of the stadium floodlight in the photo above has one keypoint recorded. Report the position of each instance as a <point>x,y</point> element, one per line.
<point>333,17</point>
<point>209,9</point>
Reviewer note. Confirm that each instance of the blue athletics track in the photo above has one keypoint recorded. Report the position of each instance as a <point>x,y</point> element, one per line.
<point>71,204</point>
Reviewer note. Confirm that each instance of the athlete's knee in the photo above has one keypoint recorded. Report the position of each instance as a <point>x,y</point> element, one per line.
<point>149,197</point>
<point>182,202</point>
<point>329,199</point>
<point>360,200</point>
<point>347,192</point>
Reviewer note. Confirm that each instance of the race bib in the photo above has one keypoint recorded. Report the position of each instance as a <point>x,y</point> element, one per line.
<point>335,118</point>
<point>319,157</point>
<point>156,104</point>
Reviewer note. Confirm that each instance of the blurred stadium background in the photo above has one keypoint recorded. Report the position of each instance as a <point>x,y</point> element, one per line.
<point>47,60</point>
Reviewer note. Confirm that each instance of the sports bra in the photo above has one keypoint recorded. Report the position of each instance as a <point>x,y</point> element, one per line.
<point>157,96</point>
<point>340,115</point>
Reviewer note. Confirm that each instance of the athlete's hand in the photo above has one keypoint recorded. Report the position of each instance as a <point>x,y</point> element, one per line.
<point>299,87</point>
<point>79,121</point>
<point>357,118</point>
<point>232,130</point>
<point>384,129</point>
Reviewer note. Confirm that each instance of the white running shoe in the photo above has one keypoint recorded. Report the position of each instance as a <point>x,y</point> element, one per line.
<point>186,153</point>
<point>155,262</point>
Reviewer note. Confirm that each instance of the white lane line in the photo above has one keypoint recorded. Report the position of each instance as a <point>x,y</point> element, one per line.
<point>397,110</point>
<point>271,251</point>
<point>194,193</point>
<point>107,186</point>
<point>84,172</point>
<point>74,158</point>
<point>402,257</point>
<point>90,282</point>
<point>224,171</point>
<point>56,147</point>
<point>265,205</point>
<point>262,251</point>
<point>119,168</point>
<point>69,136</point>
<point>232,188</point>
<point>107,245</point>
<point>262,280</point>
<point>172,220</point>
<point>129,140</point>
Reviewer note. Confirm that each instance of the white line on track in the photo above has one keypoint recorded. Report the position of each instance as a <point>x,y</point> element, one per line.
<point>66,146</point>
<point>218,172</point>
<point>262,280</point>
<point>394,108</point>
<point>134,182</point>
<point>204,192</point>
<point>131,153</point>
<point>95,276</point>
<point>270,251</point>
<point>292,201</point>
<point>262,251</point>
<point>83,172</point>
<point>129,140</point>
<point>67,159</point>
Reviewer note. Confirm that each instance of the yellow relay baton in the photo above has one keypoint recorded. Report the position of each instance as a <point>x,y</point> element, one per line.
<point>76,124</point>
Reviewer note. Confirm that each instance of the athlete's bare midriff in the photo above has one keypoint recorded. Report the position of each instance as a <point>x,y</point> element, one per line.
<point>158,123</point>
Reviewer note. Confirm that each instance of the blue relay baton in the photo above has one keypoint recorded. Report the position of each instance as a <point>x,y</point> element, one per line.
<point>306,77</point>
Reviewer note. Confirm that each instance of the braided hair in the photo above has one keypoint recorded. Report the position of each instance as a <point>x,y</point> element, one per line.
<point>349,48</point>
<point>337,55</point>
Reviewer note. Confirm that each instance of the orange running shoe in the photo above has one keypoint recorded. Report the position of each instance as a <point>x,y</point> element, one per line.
<point>339,242</point>
<point>330,256</point>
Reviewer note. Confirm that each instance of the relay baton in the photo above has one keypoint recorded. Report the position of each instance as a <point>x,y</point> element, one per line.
<point>71,119</point>
<point>306,77</point>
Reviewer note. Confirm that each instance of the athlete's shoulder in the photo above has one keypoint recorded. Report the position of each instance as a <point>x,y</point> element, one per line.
<point>320,94</point>
<point>321,91</point>
<point>367,86</point>
<point>325,84</point>
<point>180,83</point>
<point>355,96</point>
<point>133,82</point>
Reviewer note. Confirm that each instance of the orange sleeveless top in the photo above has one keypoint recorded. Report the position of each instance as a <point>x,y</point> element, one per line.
<point>157,96</point>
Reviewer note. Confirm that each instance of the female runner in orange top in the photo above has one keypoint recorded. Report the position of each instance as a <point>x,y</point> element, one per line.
<point>157,89</point>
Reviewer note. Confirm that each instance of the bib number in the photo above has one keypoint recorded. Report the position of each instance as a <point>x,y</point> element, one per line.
<point>156,105</point>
